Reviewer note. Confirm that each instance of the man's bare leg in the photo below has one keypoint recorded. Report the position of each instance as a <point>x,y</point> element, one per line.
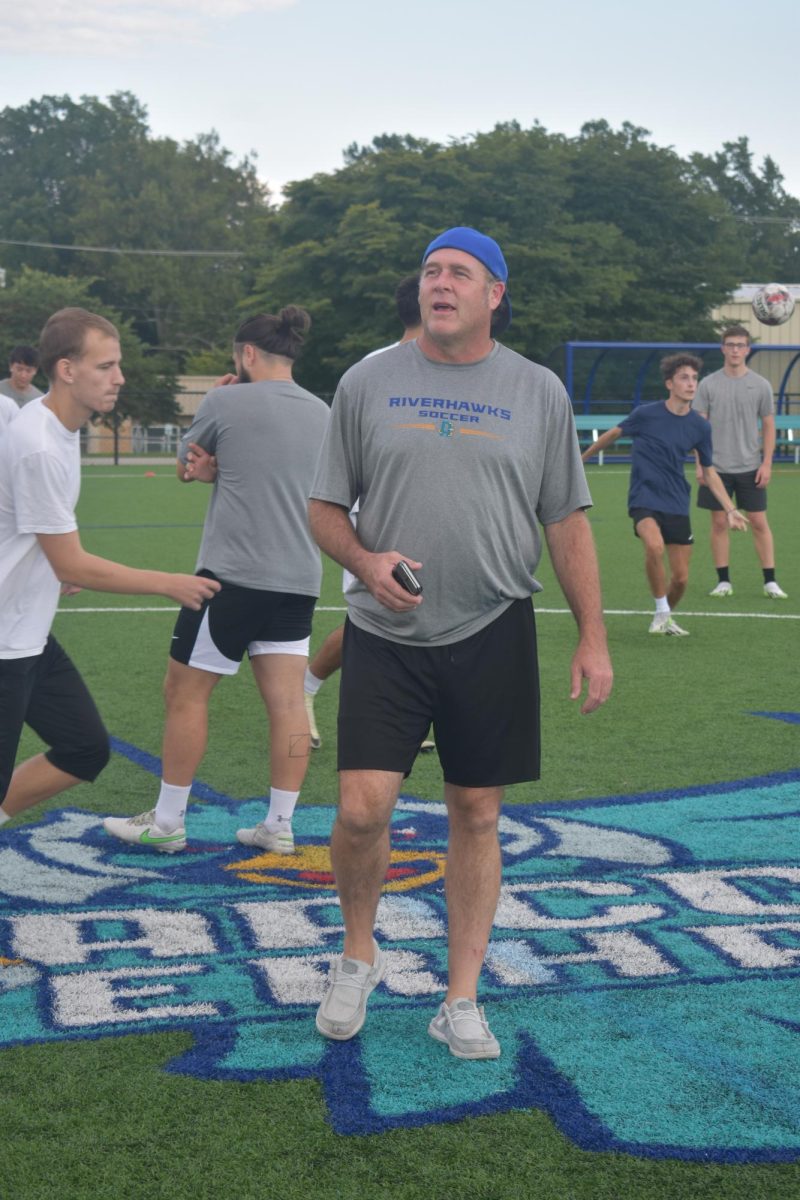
<point>328,658</point>
<point>679,558</point>
<point>360,852</point>
<point>720,539</point>
<point>472,883</point>
<point>280,682</point>
<point>653,542</point>
<point>35,780</point>
<point>762,538</point>
<point>187,692</point>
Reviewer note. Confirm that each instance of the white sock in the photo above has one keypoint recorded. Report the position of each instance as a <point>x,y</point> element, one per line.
<point>171,806</point>
<point>4,817</point>
<point>311,684</point>
<point>661,604</point>
<point>281,808</point>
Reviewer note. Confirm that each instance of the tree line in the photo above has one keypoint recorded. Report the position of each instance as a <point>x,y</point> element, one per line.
<point>607,236</point>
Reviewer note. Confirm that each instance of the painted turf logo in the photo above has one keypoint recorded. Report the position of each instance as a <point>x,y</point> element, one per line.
<point>642,977</point>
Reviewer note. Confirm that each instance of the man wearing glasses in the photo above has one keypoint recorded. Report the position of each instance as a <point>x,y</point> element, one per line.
<point>734,399</point>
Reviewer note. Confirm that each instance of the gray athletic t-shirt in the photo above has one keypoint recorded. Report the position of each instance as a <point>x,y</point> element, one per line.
<point>452,464</point>
<point>734,405</point>
<point>266,437</point>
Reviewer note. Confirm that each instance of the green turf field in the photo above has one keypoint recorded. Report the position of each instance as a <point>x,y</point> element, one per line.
<point>102,1119</point>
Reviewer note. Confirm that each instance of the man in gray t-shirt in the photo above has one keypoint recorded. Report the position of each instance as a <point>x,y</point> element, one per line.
<point>735,401</point>
<point>23,362</point>
<point>256,439</point>
<point>459,451</point>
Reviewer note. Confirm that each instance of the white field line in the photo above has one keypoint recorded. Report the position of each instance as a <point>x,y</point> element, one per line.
<point>558,612</point>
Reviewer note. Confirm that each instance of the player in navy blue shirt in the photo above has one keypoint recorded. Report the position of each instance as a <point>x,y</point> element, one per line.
<point>664,434</point>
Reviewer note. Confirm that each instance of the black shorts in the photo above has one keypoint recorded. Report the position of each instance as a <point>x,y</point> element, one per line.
<point>239,619</point>
<point>741,489</point>
<point>676,529</point>
<point>46,692</point>
<point>481,694</point>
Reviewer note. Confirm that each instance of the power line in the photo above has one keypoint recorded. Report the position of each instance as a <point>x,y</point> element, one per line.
<point>122,250</point>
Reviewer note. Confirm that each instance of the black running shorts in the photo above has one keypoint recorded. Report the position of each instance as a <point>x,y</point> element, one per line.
<point>47,693</point>
<point>481,695</point>
<point>676,529</point>
<point>741,489</point>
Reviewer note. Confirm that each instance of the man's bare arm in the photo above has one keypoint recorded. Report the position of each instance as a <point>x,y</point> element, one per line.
<point>603,442</point>
<point>74,565</point>
<point>574,559</point>
<point>333,532</point>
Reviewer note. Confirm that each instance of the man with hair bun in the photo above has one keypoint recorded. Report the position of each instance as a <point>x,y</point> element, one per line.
<point>41,556</point>
<point>663,434</point>
<point>256,438</point>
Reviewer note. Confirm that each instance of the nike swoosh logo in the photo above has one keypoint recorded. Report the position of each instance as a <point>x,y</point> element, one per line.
<point>147,840</point>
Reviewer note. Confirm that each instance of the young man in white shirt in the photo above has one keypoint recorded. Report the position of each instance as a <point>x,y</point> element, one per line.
<point>41,556</point>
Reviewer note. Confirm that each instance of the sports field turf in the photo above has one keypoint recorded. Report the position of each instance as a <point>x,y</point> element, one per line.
<point>102,1118</point>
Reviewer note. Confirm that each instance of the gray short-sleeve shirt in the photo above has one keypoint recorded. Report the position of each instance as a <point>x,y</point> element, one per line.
<point>267,438</point>
<point>734,405</point>
<point>455,466</point>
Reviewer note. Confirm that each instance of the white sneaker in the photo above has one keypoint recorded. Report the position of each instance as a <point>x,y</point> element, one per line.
<point>344,1007</point>
<point>774,591</point>
<point>280,841</point>
<point>665,623</point>
<point>722,589</point>
<point>464,1028</point>
<point>316,740</point>
<point>143,831</point>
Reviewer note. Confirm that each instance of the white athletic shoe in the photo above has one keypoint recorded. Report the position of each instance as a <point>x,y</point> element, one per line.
<point>665,624</point>
<point>344,1006</point>
<point>774,591</point>
<point>464,1028</point>
<point>316,740</point>
<point>143,831</point>
<point>278,841</point>
<point>722,589</point>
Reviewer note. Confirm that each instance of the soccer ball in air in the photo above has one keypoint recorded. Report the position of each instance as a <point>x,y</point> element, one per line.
<point>773,304</point>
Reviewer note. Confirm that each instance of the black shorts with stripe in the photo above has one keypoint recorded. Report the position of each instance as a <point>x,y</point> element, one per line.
<point>239,620</point>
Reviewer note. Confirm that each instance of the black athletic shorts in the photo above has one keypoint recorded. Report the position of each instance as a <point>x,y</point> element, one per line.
<point>676,529</point>
<point>741,489</point>
<point>481,695</point>
<point>46,692</point>
<point>239,619</point>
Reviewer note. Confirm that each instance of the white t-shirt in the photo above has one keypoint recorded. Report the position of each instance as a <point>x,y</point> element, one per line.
<point>40,475</point>
<point>8,410</point>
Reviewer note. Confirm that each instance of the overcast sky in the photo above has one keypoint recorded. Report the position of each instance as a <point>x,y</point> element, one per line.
<point>298,80</point>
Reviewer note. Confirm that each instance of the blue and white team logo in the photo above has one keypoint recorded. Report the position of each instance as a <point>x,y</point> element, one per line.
<point>642,977</point>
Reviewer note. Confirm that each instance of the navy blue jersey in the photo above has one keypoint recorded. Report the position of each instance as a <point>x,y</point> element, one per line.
<point>661,442</point>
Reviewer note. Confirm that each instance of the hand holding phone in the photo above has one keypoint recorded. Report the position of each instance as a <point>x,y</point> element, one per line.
<point>403,575</point>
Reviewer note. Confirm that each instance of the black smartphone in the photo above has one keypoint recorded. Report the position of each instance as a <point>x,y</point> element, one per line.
<point>406,578</point>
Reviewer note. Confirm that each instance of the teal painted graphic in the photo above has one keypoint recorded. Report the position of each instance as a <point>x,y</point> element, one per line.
<point>642,976</point>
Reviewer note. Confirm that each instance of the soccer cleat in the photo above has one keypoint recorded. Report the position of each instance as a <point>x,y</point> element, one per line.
<point>316,740</point>
<point>427,746</point>
<point>774,591</point>
<point>278,841</point>
<point>664,623</point>
<point>722,589</point>
<point>143,831</point>
<point>462,1025</point>
<point>344,1006</point>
